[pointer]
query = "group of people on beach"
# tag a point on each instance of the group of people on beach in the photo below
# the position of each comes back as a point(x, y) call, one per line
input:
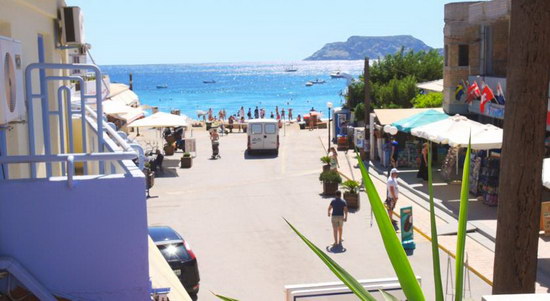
point(257, 113)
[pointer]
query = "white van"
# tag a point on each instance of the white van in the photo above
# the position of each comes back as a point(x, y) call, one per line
point(263, 135)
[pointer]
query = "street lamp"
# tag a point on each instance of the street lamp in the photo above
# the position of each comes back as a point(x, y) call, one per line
point(329, 106)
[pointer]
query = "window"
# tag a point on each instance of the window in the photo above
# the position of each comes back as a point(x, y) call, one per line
point(463, 55)
point(256, 129)
point(270, 128)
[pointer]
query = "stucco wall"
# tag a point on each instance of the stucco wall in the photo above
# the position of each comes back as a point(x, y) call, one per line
point(24, 20)
point(86, 243)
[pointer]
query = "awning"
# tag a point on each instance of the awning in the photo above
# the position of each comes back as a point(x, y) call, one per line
point(457, 130)
point(161, 119)
point(419, 119)
point(435, 85)
point(123, 94)
point(132, 114)
point(389, 116)
point(162, 276)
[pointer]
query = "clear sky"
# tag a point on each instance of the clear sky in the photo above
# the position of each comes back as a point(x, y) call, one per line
point(202, 31)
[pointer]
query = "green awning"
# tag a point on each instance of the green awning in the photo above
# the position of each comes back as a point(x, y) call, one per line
point(416, 120)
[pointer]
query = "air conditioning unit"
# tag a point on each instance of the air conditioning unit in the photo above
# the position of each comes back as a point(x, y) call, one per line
point(12, 101)
point(72, 26)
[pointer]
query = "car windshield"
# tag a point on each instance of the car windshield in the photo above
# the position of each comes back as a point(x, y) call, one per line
point(270, 129)
point(162, 234)
point(256, 128)
point(174, 252)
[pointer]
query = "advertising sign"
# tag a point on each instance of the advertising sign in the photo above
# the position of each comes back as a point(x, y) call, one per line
point(407, 231)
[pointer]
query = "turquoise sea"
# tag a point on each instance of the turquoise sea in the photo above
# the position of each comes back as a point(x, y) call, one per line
point(264, 84)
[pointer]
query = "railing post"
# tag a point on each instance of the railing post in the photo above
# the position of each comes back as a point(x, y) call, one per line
point(70, 171)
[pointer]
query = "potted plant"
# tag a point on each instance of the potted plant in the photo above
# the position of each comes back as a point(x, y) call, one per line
point(330, 179)
point(351, 194)
point(186, 161)
point(326, 161)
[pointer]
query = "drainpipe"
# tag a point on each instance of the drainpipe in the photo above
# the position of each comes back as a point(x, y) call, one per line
point(18, 271)
point(483, 51)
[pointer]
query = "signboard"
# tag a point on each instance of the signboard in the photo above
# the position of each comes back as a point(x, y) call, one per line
point(407, 231)
point(545, 217)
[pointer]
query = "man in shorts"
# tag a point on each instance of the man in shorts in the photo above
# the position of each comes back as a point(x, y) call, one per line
point(339, 210)
point(393, 194)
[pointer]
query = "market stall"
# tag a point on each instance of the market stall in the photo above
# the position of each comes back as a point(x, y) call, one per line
point(485, 141)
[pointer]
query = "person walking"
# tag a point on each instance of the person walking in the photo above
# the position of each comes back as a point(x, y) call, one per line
point(249, 114)
point(339, 210)
point(290, 115)
point(393, 194)
point(333, 159)
point(256, 113)
point(423, 169)
point(283, 113)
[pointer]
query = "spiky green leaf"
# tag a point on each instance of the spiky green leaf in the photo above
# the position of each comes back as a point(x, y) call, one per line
point(395, 251)
point(387, 296)
point(462, 220)
point(223, 297)
point(435, 244)
point(342, 274)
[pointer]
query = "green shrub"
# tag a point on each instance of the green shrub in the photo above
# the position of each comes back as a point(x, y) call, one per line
point(325, 159)
point(186, 155)
point(330, 176)
point(351, 186)
point(430, 100)
point(359, 112)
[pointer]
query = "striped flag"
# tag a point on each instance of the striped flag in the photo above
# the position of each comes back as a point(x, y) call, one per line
point(459, 92)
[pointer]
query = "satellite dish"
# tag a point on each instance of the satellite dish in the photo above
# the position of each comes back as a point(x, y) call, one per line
point(393, 130)
point(387, 128)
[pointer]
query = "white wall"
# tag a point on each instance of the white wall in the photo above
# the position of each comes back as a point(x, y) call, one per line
point(84, 243)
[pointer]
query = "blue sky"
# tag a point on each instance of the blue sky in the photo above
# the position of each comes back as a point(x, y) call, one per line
point(201, 31)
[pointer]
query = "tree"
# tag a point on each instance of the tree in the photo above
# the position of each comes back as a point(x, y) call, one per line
point(393, 79)
point(515, 266)
point(430, 100)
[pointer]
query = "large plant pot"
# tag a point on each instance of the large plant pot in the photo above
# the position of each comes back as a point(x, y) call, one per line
point(186, 162)
point(326, 167)
point(168, 149)
point(352, 199)
point(330, 188)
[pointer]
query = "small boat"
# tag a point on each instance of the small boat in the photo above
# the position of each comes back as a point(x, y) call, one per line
point(317, 82)
point(208, 81)
point(337, 74)
point(291, 69)
point(309, 84)
point(164, 86)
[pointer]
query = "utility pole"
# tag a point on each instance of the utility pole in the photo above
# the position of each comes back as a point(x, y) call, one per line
point(366, 79)
point(520, 188)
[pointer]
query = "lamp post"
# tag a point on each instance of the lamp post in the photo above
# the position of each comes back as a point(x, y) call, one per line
point(329, 106)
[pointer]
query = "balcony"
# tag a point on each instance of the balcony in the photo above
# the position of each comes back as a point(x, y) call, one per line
point(72, 202)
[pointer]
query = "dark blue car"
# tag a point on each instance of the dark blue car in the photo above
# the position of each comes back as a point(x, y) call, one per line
point(179, 256)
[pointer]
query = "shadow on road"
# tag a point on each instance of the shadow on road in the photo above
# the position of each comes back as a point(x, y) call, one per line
point(259, 156)
point(336, 249)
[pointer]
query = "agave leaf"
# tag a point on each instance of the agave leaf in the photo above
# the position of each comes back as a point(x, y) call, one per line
point(462, 219)
point(435, 244)
point(342, 274)
point(387, 296)
point(395, 251)
point(223, 297)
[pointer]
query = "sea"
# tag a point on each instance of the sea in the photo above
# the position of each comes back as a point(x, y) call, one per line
point(262, 84)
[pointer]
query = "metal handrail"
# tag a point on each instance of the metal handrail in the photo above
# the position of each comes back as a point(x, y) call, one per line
point(77, 157)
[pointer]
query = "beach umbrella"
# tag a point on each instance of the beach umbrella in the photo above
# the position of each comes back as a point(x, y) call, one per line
point(161, 119)
point(420, 119)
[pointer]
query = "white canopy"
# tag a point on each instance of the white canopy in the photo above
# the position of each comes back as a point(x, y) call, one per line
point(115, 107)
point(456, 130)
point(160, 119)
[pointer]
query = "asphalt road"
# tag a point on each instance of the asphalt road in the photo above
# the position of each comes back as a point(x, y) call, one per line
point(231, 212)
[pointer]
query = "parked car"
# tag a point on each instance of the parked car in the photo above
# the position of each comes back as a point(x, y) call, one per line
point(263, 135)
point(179, 256)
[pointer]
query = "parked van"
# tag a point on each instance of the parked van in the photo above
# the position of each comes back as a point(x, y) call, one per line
point(263, 135)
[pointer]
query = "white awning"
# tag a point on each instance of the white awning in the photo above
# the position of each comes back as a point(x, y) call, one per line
point(161, 119)
point(435, 85)
point(123, 94)
point(546, 173)
point(457, 130)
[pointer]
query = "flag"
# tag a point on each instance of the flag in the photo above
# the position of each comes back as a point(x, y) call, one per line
point(459, 92)
point(500, 95)
point(486, 96)
point(473, 92)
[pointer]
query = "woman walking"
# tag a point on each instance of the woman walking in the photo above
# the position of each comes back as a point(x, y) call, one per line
point(333, 159)
point(423, 169)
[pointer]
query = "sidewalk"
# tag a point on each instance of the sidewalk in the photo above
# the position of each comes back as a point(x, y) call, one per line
point(481, 235)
